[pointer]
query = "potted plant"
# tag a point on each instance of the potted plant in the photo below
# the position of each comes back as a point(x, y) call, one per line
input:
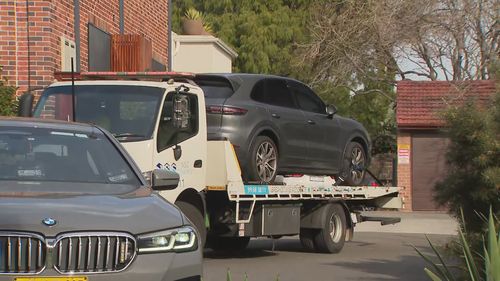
point(193, 23)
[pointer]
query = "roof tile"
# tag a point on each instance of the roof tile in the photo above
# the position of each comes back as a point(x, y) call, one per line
point(420, 103)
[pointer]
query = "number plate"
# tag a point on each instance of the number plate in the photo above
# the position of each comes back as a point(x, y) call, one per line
point(72, 278)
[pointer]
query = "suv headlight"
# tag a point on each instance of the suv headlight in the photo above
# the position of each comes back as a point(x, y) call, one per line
point(183, 239)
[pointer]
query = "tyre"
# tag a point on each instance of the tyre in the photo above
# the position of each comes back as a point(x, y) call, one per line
point(218, 243)
point(331, 238)
point(263, 160)
point(307, 239)
point(354, 164)
point(196, 217)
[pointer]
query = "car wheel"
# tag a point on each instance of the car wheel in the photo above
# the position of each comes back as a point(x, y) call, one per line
point(354, 164)
point(196, 217)
point(263, 160)
point(331, 238)
point(218, 243)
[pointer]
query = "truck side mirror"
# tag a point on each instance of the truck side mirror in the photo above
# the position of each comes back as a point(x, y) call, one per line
point(331, 110)
point(181, 112)
point(25, 106)
point(164, 179)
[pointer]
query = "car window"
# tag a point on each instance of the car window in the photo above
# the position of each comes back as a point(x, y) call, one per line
point(258, 91)
point(216, 88)
point(43, 155)
point(307, 99)
point(169, 133)
point(276, 93)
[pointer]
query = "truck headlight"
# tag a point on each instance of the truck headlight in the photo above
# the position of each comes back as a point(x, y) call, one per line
point(182, 239)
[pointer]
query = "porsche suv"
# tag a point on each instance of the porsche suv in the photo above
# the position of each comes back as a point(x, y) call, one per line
point(280, 126)
point(74, 207)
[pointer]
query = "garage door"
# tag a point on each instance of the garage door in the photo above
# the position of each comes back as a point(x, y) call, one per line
point(428, 167)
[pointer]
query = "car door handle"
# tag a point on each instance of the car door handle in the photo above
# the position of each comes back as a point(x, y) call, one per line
point(311, 122)
point(274, 115)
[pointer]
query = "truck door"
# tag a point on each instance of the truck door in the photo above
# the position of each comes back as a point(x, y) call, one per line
point(181, 140)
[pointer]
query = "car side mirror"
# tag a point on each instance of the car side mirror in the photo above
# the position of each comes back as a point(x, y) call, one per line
point(25, 105)
point(164, 179)
point(331, 110)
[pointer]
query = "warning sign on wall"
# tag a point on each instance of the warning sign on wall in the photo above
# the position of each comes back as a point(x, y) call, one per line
point(403, 154)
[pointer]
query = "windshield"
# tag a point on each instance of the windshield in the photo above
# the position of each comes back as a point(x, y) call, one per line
point(127, 111)
point(53, 155)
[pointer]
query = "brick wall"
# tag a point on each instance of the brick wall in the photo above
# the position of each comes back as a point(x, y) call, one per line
point(155, 30)
point(404, 172)
point(51, 19)
point(14, 46)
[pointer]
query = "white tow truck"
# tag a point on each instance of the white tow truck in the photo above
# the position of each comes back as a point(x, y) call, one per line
point(160, 119)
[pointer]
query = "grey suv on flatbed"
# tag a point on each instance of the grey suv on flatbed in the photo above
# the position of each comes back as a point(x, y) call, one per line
point(279, 125)
point(74, 207)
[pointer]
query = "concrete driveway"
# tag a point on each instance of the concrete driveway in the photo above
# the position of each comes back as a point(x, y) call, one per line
point(377, 253)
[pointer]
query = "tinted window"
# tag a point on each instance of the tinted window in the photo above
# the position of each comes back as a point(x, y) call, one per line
point(276, 93)
point(39, 155)
point(182, 126)
point(128, 112)
point(306, 99)
point(216, 88)
point(258, 91)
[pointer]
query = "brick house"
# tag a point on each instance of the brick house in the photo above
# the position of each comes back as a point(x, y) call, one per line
point(83, 29)
point(421, 141)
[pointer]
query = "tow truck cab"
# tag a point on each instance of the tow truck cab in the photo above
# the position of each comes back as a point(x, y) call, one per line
point(156, 119)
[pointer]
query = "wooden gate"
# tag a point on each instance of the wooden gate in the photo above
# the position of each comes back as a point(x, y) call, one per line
point(130, 53)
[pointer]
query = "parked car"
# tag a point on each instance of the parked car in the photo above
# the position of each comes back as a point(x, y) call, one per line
point(280, 126)
point(74, 206)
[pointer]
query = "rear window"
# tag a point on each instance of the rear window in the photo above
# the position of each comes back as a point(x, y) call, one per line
point(216, 89)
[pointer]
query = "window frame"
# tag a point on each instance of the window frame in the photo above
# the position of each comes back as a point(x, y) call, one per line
point(196, 118)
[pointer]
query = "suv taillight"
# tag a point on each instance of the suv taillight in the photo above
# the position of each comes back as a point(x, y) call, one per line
point(226, 110)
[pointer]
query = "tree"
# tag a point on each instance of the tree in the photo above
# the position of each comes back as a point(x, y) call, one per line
point(473, 179)
point(263, 32)
point(446, 39)
point(8, 104)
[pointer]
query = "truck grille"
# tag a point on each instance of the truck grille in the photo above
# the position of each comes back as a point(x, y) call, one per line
point(21, 253)
point(94, 252)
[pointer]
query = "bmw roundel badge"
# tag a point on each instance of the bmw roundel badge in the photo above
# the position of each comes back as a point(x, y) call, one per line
point(49, 221)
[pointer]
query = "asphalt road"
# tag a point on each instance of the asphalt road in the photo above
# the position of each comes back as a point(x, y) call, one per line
point(372, 256)
point(377, 253)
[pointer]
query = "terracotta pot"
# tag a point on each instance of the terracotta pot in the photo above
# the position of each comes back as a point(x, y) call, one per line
point(192, 27)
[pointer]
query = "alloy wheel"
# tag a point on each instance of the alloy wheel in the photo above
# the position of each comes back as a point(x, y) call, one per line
point(266, 161)
point(357, 164)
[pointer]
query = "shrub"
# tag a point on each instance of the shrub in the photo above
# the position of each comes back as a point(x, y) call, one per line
point(473, 180)
point(478, 267)
point(8, 104)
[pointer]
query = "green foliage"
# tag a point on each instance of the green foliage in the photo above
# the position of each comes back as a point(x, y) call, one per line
point(8, 104)
point(264, 32)
point(193, 14)
point(489, 261)
point(473, 179)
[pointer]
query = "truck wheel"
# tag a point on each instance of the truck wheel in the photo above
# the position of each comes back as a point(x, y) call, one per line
point(307, 239)
point(331, 238)
point(263, 160)
point(354, 164)
point(218, 243)
point(195, 216)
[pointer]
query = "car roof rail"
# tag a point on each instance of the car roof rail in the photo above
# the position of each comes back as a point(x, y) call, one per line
point(163, 76)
